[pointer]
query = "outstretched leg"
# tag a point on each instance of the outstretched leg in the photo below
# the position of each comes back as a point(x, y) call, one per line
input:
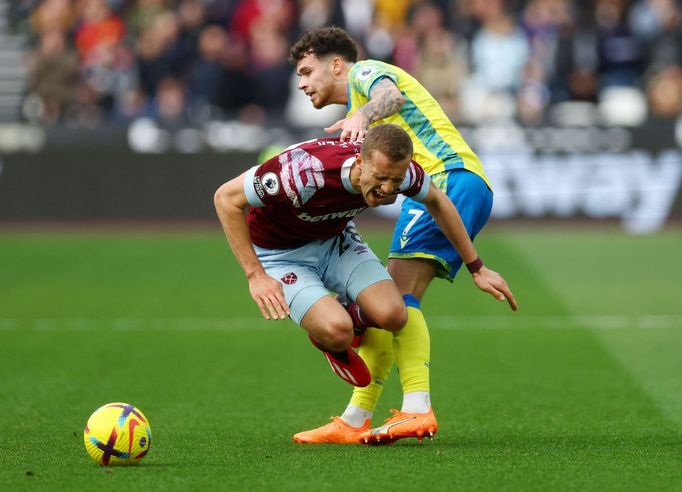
point(412, 350)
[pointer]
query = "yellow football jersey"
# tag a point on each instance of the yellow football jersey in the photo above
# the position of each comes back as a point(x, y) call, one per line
point(438, 145)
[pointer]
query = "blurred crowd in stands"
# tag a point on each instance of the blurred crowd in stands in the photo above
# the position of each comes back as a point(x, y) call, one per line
point(185, 62)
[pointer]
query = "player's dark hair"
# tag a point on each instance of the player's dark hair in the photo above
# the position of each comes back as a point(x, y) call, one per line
point(390, 140)
point(322, 42)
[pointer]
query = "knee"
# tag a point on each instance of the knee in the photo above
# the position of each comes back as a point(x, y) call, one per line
point(392, 317)
point(337, 335)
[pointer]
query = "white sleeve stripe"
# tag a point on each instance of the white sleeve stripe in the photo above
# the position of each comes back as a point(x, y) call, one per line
point(249, 189)
point(424, 189)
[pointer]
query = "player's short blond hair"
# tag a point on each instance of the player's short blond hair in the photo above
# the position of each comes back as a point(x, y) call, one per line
point(389, 139)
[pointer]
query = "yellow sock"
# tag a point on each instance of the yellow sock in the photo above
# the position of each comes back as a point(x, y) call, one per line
point(412, 348)
point(377, 352)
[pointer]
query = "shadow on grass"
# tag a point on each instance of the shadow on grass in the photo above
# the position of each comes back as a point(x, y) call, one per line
point(620, 443)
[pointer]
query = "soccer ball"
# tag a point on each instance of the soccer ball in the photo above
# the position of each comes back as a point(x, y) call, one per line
point(117, 434)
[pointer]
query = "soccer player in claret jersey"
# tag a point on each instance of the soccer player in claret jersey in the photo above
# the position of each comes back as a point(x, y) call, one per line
point(297, 241)
point(375, 92)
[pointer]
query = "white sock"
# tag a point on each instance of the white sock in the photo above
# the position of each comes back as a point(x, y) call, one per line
point(416, 402)
point(356, 416)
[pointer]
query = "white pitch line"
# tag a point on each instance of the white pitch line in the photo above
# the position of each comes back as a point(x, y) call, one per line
point(557, 322)
point(136, 324)
point(437, 323)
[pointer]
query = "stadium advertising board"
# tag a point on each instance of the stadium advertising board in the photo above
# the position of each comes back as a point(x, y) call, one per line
point(630, 175)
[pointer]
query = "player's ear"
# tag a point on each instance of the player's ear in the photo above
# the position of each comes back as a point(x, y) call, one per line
point(337, 65)
point(358, 159)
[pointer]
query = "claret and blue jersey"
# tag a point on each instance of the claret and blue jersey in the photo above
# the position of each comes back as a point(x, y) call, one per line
point(305, 193)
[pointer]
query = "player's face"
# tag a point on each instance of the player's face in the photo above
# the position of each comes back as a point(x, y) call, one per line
point(316, 79)
point(380, 179)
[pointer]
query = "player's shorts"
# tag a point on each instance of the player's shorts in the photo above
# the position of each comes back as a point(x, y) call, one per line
point(416, 234)
point(309, 272)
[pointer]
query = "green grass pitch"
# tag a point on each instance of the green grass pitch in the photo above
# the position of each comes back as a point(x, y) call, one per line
point(581, 389)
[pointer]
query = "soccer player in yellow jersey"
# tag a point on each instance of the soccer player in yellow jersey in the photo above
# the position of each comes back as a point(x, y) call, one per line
point(376, 92)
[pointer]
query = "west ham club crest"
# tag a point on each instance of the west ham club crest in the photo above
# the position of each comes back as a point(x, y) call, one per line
point(290, 278)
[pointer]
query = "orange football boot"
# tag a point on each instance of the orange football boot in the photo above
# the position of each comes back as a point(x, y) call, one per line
point(400, 426)
point(335, 432)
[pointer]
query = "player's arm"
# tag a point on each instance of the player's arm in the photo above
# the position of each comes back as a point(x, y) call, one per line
point(231, 203)
point(448, 219)
point(385, 99)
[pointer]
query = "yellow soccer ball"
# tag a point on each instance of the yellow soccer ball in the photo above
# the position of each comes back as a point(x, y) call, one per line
point(117, 434)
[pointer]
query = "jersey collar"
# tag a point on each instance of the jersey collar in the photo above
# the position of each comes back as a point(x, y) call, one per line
point(345, 175)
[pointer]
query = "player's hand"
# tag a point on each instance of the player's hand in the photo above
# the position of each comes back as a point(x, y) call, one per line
point(269, 296)
point(492, 282)
point(354, 127)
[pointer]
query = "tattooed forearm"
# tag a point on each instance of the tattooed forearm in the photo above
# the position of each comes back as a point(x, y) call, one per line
point(385, 100)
